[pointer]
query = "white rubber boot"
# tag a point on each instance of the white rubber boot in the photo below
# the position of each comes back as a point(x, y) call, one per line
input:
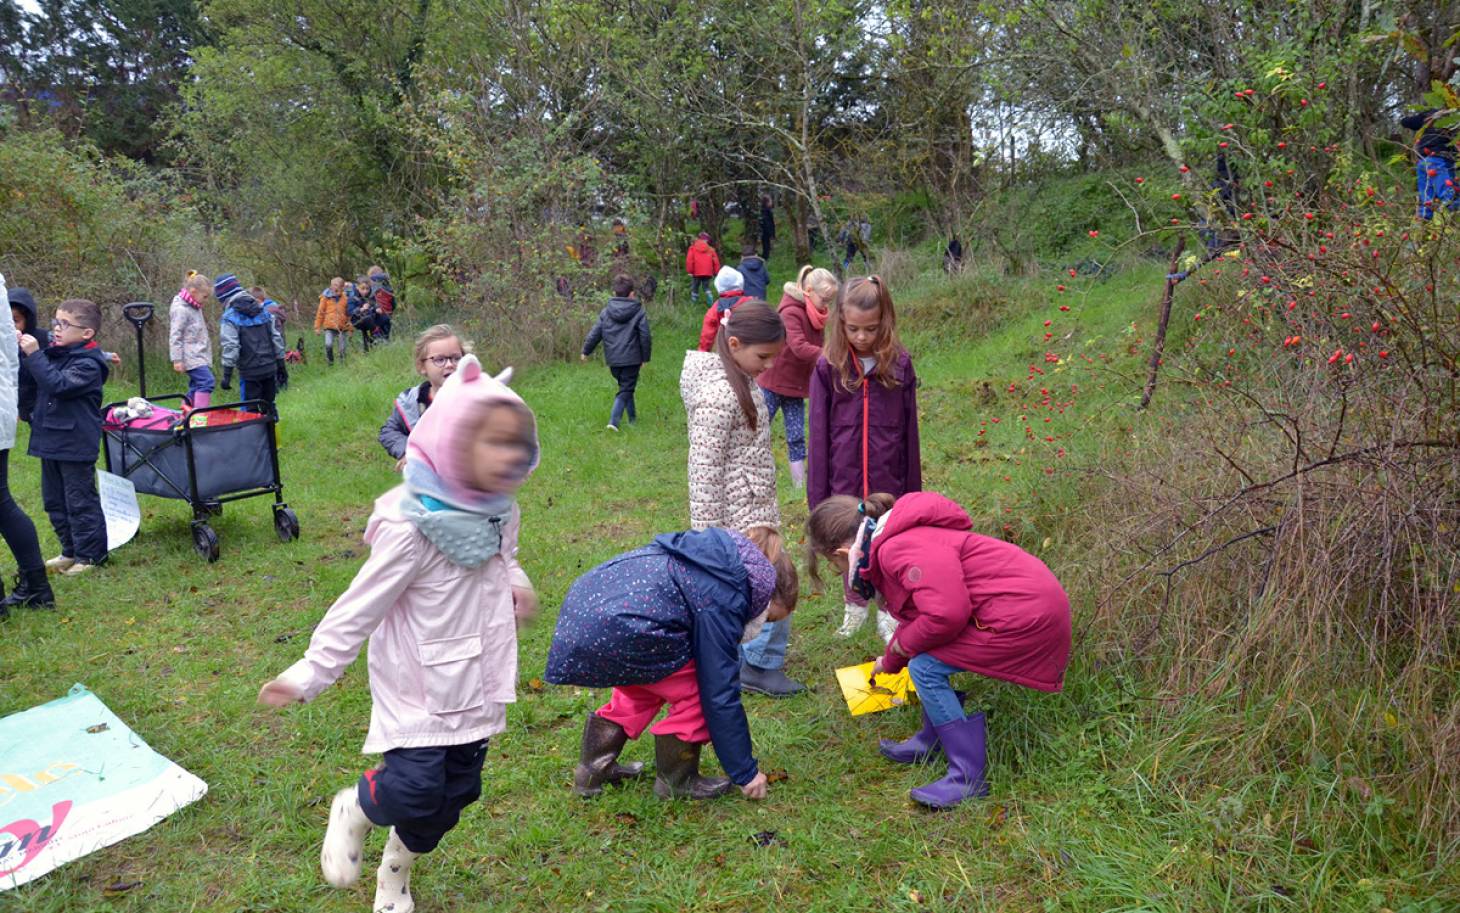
point(886, 626)
point(798, 473)
point(852, 617)
point(344, 839)
point(393, 878)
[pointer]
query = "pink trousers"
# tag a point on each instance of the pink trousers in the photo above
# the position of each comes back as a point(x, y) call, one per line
point(634, 707)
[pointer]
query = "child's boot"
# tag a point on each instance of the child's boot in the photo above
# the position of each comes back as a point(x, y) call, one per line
point(202, 400)
point(393, 878)
point(798, 473)
point(852, 617)
point(965, 743)
point(921, 747)
point(344, 839)
point(677, 776)
point(598, 760)
point(886, 625)
point(33, 591)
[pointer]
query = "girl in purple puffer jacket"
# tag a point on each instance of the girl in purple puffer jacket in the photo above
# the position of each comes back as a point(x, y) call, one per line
point(864, 414)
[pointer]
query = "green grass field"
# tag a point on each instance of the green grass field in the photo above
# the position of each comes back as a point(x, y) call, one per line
point(1103, 798)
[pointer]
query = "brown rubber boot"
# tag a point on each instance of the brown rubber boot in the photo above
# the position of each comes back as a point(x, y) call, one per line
point(678, 771)
point(598, 761)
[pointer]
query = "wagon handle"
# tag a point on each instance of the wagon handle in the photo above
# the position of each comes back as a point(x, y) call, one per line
point(139, 314)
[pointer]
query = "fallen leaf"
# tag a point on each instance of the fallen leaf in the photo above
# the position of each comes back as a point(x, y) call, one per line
point(915, 896)
point(535, 684)
point(119, 887)
point(767, 838)
point(997, 816)
point(776, 776)
point(99, 727)
point(628, 818)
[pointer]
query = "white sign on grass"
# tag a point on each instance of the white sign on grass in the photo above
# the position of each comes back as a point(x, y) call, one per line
point(73, 779)
point(119, 505)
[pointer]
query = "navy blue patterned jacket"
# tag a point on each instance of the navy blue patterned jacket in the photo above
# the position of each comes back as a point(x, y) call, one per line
point(639, 617)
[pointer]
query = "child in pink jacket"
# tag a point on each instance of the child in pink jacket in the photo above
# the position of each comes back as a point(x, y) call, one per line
point(962, 602)
point(439, 599)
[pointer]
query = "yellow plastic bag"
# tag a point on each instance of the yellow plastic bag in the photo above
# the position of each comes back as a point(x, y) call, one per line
point(863, 696)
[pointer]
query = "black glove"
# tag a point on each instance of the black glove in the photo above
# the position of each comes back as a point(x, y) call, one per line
point(281, 374)
point(227, 378)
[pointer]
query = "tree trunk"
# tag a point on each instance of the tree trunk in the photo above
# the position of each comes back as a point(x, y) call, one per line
point(1160, 342)
point(800, 236)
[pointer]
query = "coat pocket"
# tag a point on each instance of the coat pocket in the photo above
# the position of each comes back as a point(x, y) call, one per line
point(452, 673)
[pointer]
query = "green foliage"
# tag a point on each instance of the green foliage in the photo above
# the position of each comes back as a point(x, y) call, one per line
point(75, 224)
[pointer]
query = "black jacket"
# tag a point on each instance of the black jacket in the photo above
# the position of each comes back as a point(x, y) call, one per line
point(66, 424)
point(26, 390)
point(623, 328)
point(1430, 140)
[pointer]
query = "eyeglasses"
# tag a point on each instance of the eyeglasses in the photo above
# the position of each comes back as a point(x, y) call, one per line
point(442, 361)
point(59, 324)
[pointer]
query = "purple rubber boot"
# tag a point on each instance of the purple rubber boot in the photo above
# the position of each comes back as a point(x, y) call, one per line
point(965, 743)
point(916, 750)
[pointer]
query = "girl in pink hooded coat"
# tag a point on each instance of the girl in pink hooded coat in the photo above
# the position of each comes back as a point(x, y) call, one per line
point(439, 599)
point(962, 602)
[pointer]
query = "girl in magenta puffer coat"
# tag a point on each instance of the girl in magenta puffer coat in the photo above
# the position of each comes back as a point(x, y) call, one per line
point(438, 599)
point(962, 602)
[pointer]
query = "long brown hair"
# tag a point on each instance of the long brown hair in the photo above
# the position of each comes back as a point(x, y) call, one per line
point(754, 323)
point(833, 525)
point(866, 293)
point(788, 583)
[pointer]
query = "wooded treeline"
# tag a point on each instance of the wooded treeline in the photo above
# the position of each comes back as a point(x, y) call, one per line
point(468, 142)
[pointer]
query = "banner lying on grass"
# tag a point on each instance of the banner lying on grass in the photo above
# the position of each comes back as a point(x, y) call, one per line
point(73, 779)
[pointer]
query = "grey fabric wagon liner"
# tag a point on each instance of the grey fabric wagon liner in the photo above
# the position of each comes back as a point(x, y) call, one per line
point(228, 458)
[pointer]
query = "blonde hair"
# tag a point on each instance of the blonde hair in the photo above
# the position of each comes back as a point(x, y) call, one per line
point(818, 280)
point(196, 280)
point(435, 334)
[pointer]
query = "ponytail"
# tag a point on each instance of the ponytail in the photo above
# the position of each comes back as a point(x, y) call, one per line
point(754, 324)
point(833, 524)
point(788, 583)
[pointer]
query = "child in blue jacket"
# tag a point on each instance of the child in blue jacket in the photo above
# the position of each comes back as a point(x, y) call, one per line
point(66, 431)
point(663, 624)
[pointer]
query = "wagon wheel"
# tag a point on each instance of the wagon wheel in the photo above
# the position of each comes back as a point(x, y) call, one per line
point(286, 524)
point(205, 542)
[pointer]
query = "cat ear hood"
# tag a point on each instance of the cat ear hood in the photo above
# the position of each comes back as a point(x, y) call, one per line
point(440, 437)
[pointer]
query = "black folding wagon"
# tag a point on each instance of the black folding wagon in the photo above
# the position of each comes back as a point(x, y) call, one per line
point(213, 455)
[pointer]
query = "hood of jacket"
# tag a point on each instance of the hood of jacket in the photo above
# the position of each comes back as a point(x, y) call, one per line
point(714, 553)
point(439, 440)
point(244, 310)
point(701, 245)
point(622, 310)
point(920, 508)
point(22, 298)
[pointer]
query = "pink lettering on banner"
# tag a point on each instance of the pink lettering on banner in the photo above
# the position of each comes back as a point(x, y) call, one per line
point(29, 838)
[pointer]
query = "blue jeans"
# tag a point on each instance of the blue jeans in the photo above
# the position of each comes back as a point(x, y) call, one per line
point(1437, 188)
point(768, 649)
point(795, 410)
point(930, 677)
point(628, 378)
point(200, 380)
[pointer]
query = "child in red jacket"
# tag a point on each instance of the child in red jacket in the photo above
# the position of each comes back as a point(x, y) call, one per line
point(962, 602)
point(702, 263)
